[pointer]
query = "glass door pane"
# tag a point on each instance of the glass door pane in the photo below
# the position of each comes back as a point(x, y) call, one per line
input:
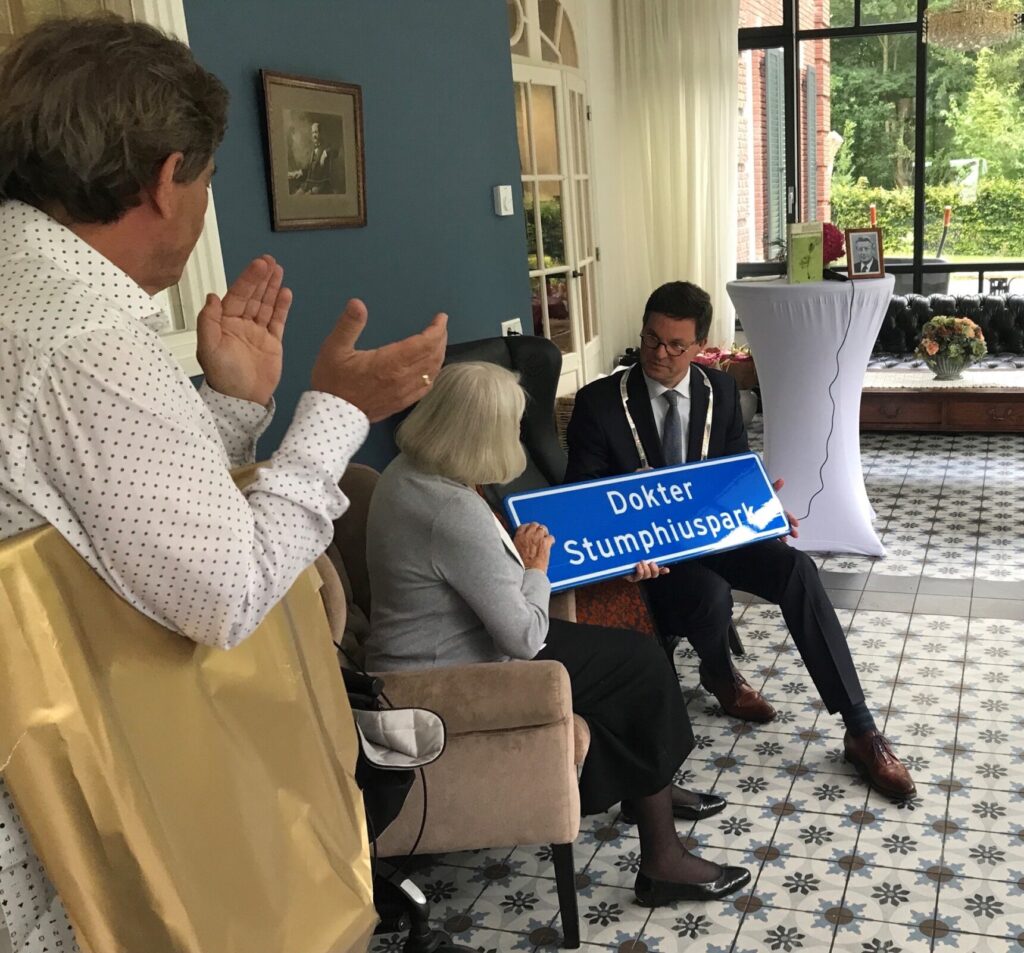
point(552, 229)
point(868, 94)
point(888, 11)
point(816, 14)
point(974, 166)
point(522, 129)
point(761, 171)
point(755, 13)
point(545, 130)
point(584, 259)
point(547, 215)
point(818, 144)
point(170, 300)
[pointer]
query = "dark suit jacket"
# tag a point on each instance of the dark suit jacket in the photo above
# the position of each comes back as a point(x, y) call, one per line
point(600, 441)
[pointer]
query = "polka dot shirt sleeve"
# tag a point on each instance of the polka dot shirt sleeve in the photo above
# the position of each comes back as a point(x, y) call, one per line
point(240, 423)
point(104, 437)
point(136, 461)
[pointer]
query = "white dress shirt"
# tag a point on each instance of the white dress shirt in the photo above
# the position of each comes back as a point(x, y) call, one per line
point(660, 406)
point(104, 437)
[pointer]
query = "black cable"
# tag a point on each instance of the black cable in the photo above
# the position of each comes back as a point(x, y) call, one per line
point(423, 781)
point(400, 872)
point(831, 397)
point(373, 845)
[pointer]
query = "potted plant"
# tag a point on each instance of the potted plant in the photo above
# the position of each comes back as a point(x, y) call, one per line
point(948, 345)
point(738, 363)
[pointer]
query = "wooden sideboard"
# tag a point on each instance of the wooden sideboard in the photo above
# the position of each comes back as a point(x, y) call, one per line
point(984, 410)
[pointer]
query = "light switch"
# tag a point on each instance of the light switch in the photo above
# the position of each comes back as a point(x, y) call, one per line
point(503, 200)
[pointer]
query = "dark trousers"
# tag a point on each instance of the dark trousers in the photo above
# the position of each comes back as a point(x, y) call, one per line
point(695, 601)
point(625, 689)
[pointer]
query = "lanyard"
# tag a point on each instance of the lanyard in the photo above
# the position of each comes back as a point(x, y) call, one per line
point(705, 444)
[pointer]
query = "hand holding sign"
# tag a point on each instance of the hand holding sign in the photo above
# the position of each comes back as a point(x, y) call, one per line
point(793, 521)
point(533, 542)
point(647, 570)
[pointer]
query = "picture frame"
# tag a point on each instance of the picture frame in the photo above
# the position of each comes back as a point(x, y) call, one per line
point(864, 255)
point(315, 158)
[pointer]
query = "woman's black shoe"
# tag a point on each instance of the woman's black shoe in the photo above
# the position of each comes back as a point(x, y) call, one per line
point(658, 893)
point(709, 806)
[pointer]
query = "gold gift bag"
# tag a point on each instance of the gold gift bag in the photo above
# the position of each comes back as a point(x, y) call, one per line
point(183, 799)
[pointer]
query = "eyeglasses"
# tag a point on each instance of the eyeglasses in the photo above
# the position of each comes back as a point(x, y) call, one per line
point(675, 349)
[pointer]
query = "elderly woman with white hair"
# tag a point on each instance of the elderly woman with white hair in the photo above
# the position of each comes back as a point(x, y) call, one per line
point(451, 587)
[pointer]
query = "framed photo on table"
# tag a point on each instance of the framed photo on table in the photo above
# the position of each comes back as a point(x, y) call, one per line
point(315, 144)
point(864, 253)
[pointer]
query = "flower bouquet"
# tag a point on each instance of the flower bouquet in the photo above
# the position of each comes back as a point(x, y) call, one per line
point(948, 345)
point(833, 244)
point(738, 363)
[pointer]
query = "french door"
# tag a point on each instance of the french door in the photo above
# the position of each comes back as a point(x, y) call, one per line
point(562, 256)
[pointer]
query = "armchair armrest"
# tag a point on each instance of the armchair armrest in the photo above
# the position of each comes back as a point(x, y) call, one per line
point(563, 606)
point(486, 696)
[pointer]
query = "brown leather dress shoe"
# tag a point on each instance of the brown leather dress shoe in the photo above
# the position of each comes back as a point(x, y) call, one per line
point(738, 697)
point(872, 755)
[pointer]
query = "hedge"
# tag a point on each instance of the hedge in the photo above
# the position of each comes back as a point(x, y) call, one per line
point(991, 226)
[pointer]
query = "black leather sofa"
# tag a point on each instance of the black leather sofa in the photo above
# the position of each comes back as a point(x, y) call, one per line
point(1000, 317)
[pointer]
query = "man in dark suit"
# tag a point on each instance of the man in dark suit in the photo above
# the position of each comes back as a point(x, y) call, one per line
point(668, 400)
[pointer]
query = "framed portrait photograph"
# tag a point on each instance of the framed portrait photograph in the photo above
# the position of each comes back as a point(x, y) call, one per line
point(315, 144)
point(864, 257)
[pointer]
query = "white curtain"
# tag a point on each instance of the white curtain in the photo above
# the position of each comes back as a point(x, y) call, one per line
point(677, 72)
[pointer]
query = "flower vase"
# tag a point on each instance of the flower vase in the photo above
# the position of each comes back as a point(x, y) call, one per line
point(948, 368)
point(743, 372)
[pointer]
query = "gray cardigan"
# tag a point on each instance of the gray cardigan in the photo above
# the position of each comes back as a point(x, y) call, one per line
point(445, 587)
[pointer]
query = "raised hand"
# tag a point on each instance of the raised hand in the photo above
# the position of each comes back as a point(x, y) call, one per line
point(387, 379)
point(239, 336)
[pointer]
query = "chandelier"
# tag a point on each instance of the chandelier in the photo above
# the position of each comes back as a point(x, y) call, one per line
point(972, 25)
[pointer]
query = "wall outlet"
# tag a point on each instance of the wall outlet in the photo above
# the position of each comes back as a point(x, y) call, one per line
point(511, 327)
point(503, 200)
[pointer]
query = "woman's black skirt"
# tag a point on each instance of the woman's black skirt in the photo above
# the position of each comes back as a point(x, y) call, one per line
point(626, 689)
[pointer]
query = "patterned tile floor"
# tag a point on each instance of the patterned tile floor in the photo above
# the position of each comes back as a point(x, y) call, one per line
point(937, 630)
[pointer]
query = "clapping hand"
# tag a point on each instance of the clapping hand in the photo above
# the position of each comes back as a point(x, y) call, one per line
point(387, 379)
point(240, 336)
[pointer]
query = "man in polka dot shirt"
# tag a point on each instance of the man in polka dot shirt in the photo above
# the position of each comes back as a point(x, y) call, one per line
point(107, 135)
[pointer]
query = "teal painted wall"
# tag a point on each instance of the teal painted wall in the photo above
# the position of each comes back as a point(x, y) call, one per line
point(439, 132)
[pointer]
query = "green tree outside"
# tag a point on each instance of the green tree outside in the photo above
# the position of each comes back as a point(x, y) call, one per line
point(975, 110)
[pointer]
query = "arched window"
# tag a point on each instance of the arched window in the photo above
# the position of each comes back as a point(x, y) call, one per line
point(557, 38)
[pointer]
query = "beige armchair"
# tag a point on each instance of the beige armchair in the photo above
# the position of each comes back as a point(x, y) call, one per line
point(505, 722)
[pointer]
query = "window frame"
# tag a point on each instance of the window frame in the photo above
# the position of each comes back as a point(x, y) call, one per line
point(204, 271)
point(788, 36)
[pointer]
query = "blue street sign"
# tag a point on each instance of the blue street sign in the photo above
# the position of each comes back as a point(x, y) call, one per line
point(603, 528)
